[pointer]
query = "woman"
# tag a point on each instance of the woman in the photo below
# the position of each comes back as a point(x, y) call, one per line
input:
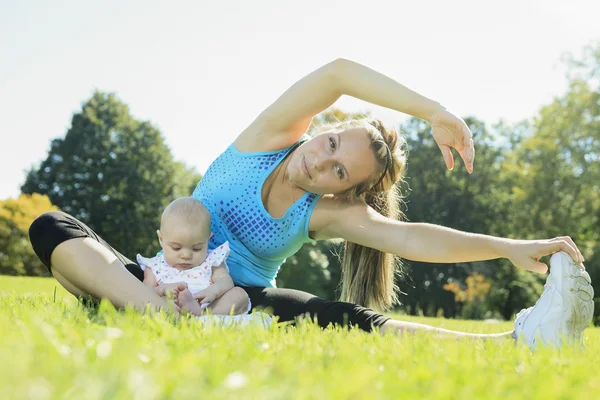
point(273, 189)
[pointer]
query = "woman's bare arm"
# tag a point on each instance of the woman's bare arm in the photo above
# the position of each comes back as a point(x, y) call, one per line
point(359, 223)
point(288, 118)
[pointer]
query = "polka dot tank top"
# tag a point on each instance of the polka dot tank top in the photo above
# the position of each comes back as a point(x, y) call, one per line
point(259, 243)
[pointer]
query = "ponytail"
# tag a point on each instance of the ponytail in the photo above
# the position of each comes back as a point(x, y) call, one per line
point(368, 274)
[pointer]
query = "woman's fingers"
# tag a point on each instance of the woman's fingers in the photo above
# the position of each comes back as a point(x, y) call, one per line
point(566, 244)
point(468, 156)
point(559, 244)
point(572, 243)
point(450, 131)
point(467, 135)
point(468, 151)
point(447, 154)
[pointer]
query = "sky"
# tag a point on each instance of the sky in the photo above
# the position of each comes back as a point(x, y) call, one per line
point(201, 71)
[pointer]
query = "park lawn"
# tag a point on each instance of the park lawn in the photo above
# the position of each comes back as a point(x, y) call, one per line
point(53, 348)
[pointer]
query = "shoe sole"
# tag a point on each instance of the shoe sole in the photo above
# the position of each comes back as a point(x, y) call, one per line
point(578, 299)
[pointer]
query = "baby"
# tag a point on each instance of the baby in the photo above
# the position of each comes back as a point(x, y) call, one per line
point(184, 234)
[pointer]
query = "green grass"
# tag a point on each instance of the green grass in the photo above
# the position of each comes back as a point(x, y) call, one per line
point(53, 348)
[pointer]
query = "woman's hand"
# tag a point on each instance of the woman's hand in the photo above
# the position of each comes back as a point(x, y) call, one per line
point(448, 131)
point(526, 254)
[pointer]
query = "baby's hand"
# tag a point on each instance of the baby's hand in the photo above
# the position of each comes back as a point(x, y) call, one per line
point(206, 296)
point(170, 290)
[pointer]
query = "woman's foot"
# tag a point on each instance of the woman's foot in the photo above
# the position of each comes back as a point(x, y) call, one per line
point(187, 303)
point(563, 311)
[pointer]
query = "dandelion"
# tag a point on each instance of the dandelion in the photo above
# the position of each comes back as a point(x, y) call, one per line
point(113, 333)
point(103, 349)
point(236, 380)
point(64, 350)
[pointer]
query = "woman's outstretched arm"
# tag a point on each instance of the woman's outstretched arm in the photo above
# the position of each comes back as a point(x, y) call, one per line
point(287, 119)
point(424, 242)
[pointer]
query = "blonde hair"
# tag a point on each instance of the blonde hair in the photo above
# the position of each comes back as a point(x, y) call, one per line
point(368, 274)
point(190, 209)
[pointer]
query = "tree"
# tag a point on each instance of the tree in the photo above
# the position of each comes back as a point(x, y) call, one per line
point(472, 295)
point(16, 215)
point(554, 172)
point(314, 269)
point(112, 172)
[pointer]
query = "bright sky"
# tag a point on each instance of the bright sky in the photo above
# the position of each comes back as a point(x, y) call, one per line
point(201, 71)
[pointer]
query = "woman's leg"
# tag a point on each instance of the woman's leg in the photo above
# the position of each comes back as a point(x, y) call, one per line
point(402, 327)
point(85, 264)
point(288, 304)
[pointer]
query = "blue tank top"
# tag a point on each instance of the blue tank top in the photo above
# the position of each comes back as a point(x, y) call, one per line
point(231, 190)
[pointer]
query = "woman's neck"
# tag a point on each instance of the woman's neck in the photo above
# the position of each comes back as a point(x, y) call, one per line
point(279, 193)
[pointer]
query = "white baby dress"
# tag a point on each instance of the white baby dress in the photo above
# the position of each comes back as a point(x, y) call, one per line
point(197, 278)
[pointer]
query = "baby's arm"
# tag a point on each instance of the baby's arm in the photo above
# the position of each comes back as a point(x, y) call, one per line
point(223, 297)
point(163, 289)
point(222, 281)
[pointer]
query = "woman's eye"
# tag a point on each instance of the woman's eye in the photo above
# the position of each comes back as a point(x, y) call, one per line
point(332, 143)
point(340, 172)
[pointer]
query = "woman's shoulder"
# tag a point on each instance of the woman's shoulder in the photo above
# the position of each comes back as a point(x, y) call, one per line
point(329, 210)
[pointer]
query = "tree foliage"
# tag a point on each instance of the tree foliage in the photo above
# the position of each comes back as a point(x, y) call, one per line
point(16, 215)
point(114, 173)
point(554, 172)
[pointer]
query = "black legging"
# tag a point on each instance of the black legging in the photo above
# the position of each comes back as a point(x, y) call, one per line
point(52, 228)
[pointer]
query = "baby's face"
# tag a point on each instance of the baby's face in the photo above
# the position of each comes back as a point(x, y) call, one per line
point(184, 246)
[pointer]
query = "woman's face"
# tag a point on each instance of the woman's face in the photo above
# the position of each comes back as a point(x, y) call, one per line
point(331, 163)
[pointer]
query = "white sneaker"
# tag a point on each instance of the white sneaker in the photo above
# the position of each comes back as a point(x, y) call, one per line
point(563, 311)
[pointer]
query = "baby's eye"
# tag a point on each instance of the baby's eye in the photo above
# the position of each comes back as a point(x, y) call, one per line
point(339, 171)
point(176, 248)
point(332, 143)
point(197, 250)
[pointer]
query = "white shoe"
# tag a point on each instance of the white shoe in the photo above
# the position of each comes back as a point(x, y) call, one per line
point(563, 311)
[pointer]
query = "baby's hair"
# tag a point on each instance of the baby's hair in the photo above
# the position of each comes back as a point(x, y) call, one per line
point(190, 209)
